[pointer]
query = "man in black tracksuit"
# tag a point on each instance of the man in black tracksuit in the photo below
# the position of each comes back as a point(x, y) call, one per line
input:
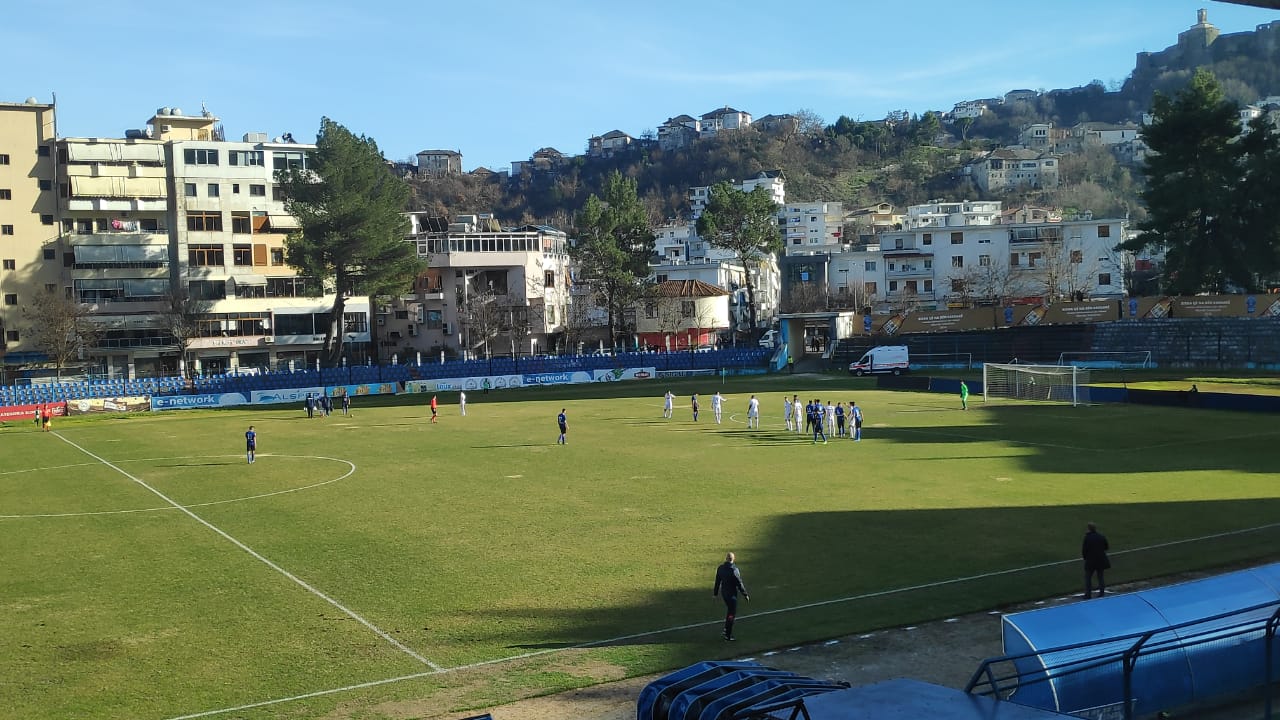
point(728, 585)
point(1094, 551)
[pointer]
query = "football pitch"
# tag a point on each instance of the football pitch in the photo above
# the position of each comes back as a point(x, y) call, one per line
point(380, 566)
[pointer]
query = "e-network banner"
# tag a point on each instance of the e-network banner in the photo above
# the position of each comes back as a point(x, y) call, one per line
point(558, 378)
point(204, 400)
point(288, 395)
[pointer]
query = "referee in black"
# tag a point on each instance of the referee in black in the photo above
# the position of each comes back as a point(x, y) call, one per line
point(728, 585)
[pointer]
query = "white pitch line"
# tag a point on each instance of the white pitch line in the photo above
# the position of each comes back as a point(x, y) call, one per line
point(351, 469)
point(301, 583)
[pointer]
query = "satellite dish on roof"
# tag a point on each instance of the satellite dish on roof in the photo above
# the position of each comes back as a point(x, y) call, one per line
point(32, 101)
point(176, 111)
point(162, 111)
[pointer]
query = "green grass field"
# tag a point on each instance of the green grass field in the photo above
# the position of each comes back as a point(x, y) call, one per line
point(383, 567)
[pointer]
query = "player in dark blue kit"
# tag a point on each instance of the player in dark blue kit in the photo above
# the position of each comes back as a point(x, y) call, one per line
point(564, 427)
point(250, 444)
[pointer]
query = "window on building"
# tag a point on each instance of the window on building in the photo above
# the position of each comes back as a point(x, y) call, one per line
point(928, 286)
point(200, 156)
point(258, 190)
point(928, 263)
point(204, 222)
point(205, 255)
point(6, 229)
point(912, 286)
point(245, 157)
point(10, 299)
point(10, 335)
point(1104, 231)
point(277, 193)
point(957, 261)
point(50, 254)
point(149, 225)
point(42, 151)
point(277, 256)
point(45, 185)
point(10, 264)
point(686, 308)
point(869, 265)
point(6, 194)
point(46, 219)
point(1033, 259)
point(435, 319)
point(213, 190)
point(984, 261)
point(235, 188)
point(207, 289)
point(288, 160)
point(1013, 260)
point(240, 224)
point(242, 254)
point(84, 227)
point(927, 239)
point(957, 285)
point(957, 238)
point(4, 159)
point(1077, 257)
point(189, 189)
point(869, 288)
point(661, 278)
point(356, 322)
point(287, 287)
point(549, 278)
point(651, 310)
point(1104, 279)
point(893, 286)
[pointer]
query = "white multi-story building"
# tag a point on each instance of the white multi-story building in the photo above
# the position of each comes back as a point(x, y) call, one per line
point(811, 225)
point(771, 180)
point(951, 214)
point(927, 265)
point(488, 289)
point(968, 109)
point(725, 118)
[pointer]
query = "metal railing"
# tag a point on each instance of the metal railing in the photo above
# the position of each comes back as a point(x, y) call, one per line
point(1124, 652)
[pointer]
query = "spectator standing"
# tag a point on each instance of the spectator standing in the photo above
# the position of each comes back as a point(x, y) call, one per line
point(728, 585)
point(1094, 551)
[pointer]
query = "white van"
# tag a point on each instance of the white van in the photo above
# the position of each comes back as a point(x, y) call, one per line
point(769, 339)
point(882, 359)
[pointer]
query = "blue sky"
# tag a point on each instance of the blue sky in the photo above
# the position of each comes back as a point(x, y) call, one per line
point(496, 80)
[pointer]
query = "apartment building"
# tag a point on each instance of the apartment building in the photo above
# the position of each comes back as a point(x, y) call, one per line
point(682, 314)
point(30, 259)
point(772, 181)
point(440, 162)
point(1007, 168)
point(488, 289)
point(980, 256)
point(811, 225)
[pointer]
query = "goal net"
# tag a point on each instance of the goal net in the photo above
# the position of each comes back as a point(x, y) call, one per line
point(1131, 359)
point(1056, 384)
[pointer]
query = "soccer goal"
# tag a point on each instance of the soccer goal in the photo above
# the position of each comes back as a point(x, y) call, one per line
point(1116, 360)
point(1056, 384)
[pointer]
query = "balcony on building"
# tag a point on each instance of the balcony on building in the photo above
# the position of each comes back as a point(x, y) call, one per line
point(1036, 234)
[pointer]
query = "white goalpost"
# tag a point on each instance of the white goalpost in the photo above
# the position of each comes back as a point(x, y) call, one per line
point(1054, 384)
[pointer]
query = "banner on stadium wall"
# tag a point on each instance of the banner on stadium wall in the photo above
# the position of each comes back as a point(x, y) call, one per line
point(647, 373)
point(567, 377)
point(10, 413)
point(90, 406)
point(496, 382)
point(203, 400)
point(286, 395)
point(385, 388)
point(1226, 306)
point(1011, 315)
point(1086, 311)
point(685, 373)
point(948, 320)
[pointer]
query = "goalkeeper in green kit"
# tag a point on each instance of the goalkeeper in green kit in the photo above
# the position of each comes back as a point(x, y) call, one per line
point(964, 396)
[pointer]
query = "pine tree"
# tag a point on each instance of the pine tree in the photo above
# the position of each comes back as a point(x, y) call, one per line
point(1193, 174)
point(612, 248)
point(352, 229)
point(746, 224)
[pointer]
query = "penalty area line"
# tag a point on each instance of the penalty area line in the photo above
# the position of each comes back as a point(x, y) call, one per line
point(258, 556)
point(709, 623)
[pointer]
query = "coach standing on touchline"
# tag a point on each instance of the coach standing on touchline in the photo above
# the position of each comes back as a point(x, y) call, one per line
point(728, 585)
point(1094, 551)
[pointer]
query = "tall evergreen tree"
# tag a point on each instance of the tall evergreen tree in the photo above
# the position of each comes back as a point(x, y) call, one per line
point(746, 224)
point(612, 248)
point(1258, 211)
point(1193, 174)
point(352, 231)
